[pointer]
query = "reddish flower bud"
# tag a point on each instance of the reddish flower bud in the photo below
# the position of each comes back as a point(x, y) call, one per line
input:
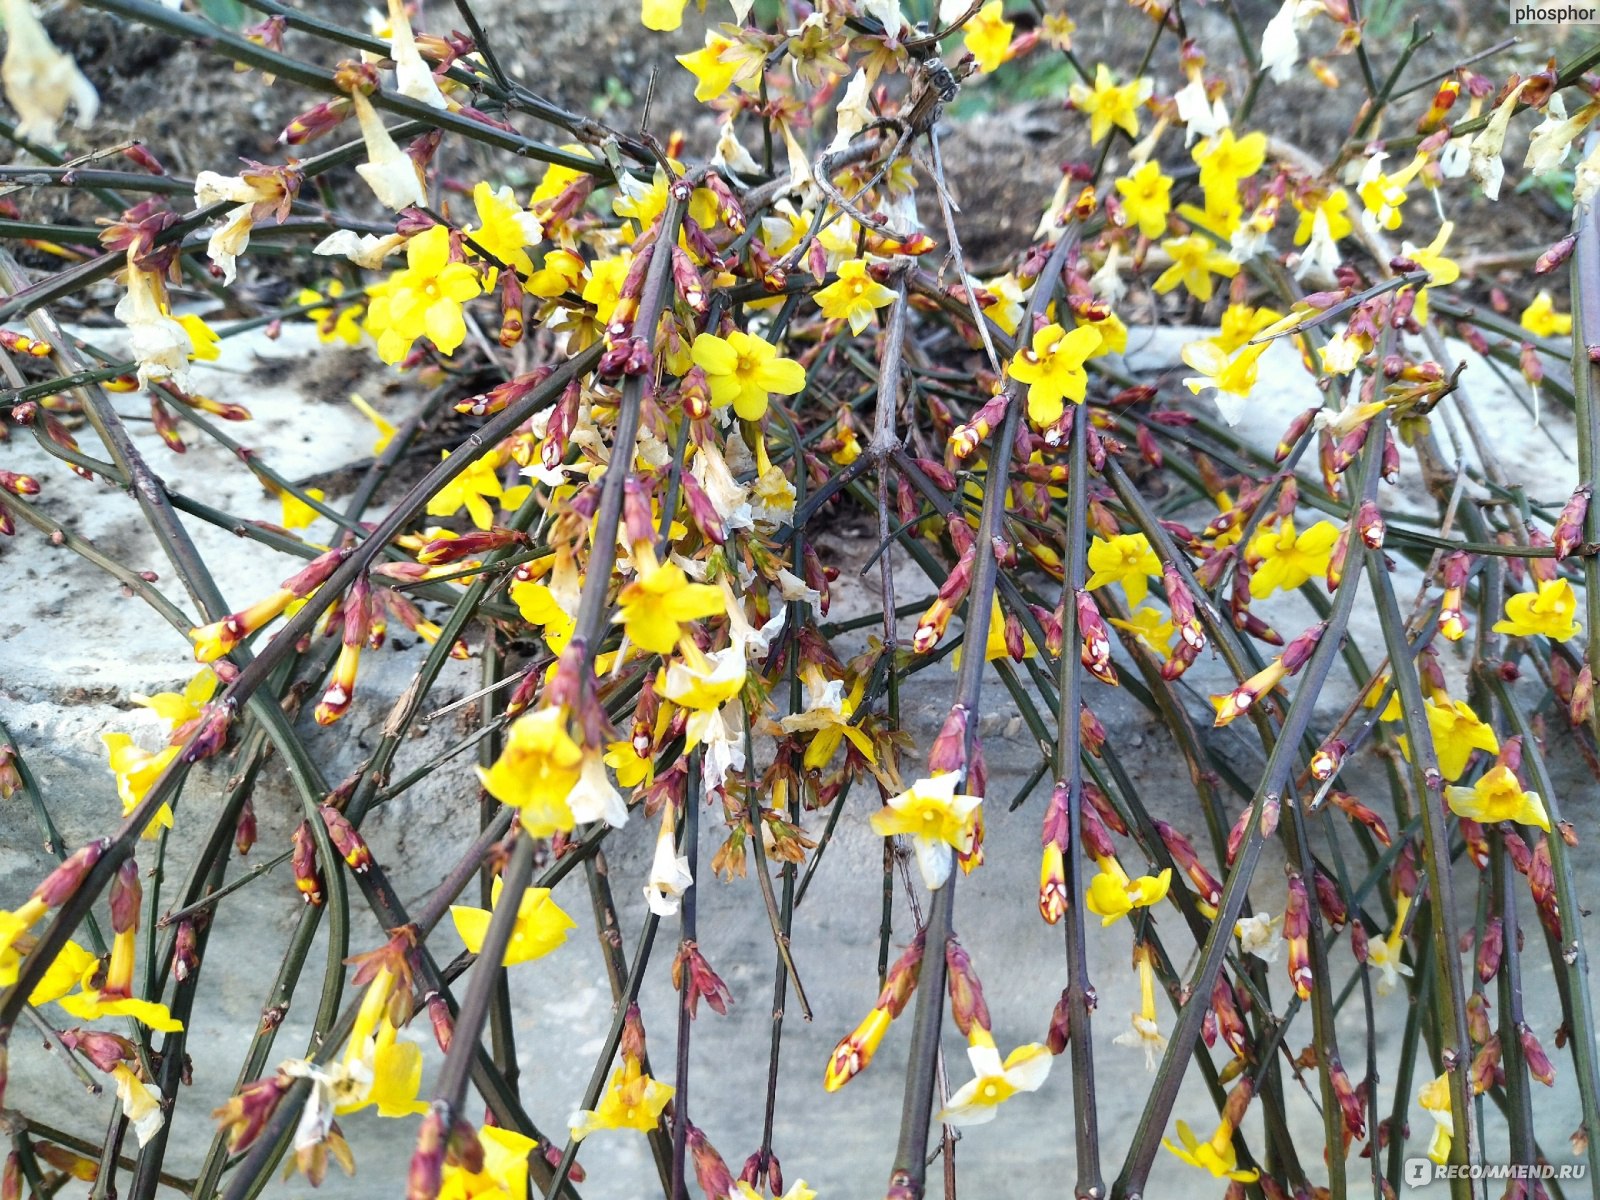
point(104, 1050)
point(185, 951)
point(303, 861)
point(1568, 532)
point(967, 1005)
point(702, 980)
point(1539, 1064)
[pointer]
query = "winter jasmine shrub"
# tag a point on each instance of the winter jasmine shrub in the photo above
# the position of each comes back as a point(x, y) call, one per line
point(658, 368)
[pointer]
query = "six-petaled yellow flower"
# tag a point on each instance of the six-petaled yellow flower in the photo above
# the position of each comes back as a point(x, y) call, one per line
point(989, 36)
point(653, 607)
point(1456, 733)
point(1549, 612)
point(1053, 370)
point(424, 299)
point(1113, 894)
point(136, 771)
point(1216, 1155)
point(541, 925)
point(854, 296)
point(1147, 199)
point(994, 1082)
point(1496, 797)
point(1542, 320)
point(1195, 259)
point(743, 369)
point(1126, 559)
point(632, 1100)
point(1285, 559)
point(1230, 377)
point(537, 770)
point(1110, 104)
point(939, 820)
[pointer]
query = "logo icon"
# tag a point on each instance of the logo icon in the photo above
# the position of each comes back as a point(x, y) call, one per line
point(1418, 1172)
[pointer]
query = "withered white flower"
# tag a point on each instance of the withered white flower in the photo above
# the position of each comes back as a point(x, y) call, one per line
point(40, 81)
point(141, 1103)
point(853, 114)
point(232, 237)
point(413, 77)
point(1280, 41)
point(389, 171)
point(364, 249)
point(1258, 935)
point(593, 798)
point(731, 155)
point(159, 344)
point(1552, 138)
point(669, 871)
point(1201, 116)
point(1485, 163)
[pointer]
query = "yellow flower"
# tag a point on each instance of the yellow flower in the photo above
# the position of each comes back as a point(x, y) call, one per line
point(715, 70)
point(561, 272)
point(505, 229)
point(1496, 797)
point(1542, 320)
point(1384, 195)
point(1216, 1156)
point(626, 764)
point(632, 1100)
point(1109, 104)
point(537, 770)
point(1441, 271)
point(989, 37)
point(797, 1191)
point(202, 338)
point(1146, 1033)
point(1224, 162)
point(386, 431)
point(539, 606)
point(541, 925)
point(1240, 323)
point(177, 709)
point(707, 681)
point(1195, 259)
point(1153, 631)
point(830, 716)
point(341, 324)
point(854, 296)
point(743, 369)
point(1333, 209)
point(1435, 1101)
point(1384, 953)
point(1230, 376)
point(1113, 895)
point(504, 1171)
point(136, 770)
point(653, 606)
point(662, 15)
point(424, 299)
point(994, 1082)
point(1285, 560)
point(1146, 198)
point(1549, 612)
point(1053, 370)
point(469, 489)
point(1126, 559)
point(90, 1005)
point(938, 819)
point(1456, 733)
point(297, 514)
